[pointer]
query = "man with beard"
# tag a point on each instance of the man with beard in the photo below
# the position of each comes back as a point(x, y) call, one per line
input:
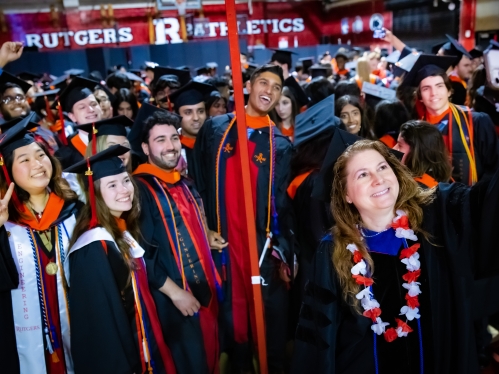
point(182, 276)
point(219, 181)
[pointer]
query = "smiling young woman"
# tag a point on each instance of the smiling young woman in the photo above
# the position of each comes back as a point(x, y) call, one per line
point(115, 293)
point(36, 226)
point(384, 295)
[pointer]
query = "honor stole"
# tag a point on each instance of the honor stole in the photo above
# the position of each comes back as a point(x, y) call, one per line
point(456, 126)
point(39, 303)
point(232, 222)
point(184, 224)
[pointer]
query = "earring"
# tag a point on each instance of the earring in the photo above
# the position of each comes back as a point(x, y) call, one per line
point(349, 201)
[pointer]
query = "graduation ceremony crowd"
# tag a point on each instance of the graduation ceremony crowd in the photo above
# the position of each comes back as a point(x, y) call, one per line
point(374, 177)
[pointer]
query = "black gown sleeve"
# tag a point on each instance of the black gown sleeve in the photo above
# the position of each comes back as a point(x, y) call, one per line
point(316, 334)
point(155, 259)
point(9, 280)
point(485, 142)
point(101, 336)
point(459, 93)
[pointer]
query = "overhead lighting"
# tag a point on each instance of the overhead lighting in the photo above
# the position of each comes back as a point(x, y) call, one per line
point(452, 6)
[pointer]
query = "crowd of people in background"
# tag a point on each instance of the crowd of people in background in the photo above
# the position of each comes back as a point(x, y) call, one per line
point(123, 246)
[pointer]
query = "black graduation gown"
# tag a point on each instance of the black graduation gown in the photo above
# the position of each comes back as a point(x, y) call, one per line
point(459, 93)
point(313, 222)
point(332, 339)
point(9, 280)
point(275, 295)
point(68, 155)
point(183, 335)
point(484, 141)
point(104, 335)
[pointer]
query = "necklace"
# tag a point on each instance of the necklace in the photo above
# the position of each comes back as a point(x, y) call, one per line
point(409, 257)
point(372, 236)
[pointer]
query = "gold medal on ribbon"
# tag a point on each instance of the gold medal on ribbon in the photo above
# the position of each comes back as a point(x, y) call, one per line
point(51, 268)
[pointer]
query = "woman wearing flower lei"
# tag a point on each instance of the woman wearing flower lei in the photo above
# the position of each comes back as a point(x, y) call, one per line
point(392, 286)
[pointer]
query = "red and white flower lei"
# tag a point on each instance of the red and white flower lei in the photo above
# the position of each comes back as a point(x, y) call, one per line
point(410, 258)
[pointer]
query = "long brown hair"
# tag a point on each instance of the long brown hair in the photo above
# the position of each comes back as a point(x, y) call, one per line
point(107, 220)
point(428, 152)
point(347, 217)
point(57, 184)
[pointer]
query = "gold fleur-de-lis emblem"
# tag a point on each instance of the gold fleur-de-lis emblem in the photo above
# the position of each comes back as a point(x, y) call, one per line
point(228, 148)
point(259, 158)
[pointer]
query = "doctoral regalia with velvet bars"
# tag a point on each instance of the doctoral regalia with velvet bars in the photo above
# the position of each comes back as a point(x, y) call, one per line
point(176, 247)
point(219, 181)
point(332, 338)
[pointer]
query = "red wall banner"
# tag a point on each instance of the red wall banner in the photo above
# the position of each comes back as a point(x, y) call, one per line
point(271, 24)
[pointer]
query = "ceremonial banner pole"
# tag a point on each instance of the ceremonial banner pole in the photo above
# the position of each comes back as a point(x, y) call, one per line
point(237, 80)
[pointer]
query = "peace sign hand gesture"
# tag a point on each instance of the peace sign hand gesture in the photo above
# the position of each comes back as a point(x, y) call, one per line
point(4, 205)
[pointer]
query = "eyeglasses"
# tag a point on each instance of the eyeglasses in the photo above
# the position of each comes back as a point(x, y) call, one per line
point(18, 99)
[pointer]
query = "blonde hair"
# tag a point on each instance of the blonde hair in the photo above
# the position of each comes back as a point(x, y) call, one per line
point(411, 198)
point(363, 69)
point(102, 145)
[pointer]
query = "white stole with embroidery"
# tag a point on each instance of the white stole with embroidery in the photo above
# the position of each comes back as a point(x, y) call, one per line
point(28, 320)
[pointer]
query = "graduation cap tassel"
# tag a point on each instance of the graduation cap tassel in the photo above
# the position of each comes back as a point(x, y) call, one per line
point(170, 108)
point(15, 199)
point(62, 132)
point(94, 140)
point(93, 219)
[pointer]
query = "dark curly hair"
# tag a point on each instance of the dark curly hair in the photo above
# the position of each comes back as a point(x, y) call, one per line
point(159, 118)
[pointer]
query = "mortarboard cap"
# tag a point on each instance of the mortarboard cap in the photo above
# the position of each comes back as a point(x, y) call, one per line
point(28, 76)
point(319, 71)
point(111, 126)
point(314, 121)
point(17, 133)
point(79, 89)
point(425, 66)
point(454, 48)
point(183, 76)
point(9, 78)
point(340, 142)
point(50, 94)
point(201, 70)
point(492, 46)
point(59, 82)
point(133, 77)
point(476, 53)
point(393, 57)
point(342, 52)
point(437, 47)
point(306, 62)
point(283, 56)
point(190, 94)
point(102, 164)
point(74, 72)
point(297, 91)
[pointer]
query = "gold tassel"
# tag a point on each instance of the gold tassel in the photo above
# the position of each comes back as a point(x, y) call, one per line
point(55, 358)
